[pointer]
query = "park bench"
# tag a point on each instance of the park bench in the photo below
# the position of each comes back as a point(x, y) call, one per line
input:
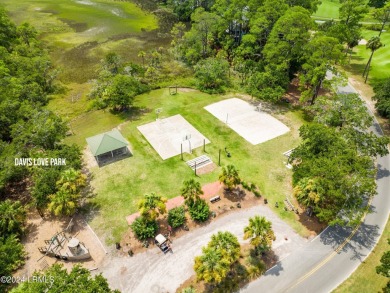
point(215, 199)
point(290, 206)
point(199, 162)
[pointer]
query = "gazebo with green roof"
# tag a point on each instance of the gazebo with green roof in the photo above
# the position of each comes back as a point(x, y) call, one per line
point(108, 144)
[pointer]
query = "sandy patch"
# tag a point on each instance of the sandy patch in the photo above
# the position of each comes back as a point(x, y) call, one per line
point(39, 230)
point(167, 136)
point(250, 122)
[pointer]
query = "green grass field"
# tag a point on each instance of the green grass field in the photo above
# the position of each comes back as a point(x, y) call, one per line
point(327, 10)
point(120, 185)
point(380, 67)
point(365, 279)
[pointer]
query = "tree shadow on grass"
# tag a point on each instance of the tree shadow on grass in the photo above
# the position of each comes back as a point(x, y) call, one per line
point(132, 114)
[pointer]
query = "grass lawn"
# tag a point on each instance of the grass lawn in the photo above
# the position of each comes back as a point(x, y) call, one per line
point(120, 185)
point(365, 279)
point(380, 66)
point(328, 9)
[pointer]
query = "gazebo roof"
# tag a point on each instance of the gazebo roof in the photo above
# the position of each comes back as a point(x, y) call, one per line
point(106, 142)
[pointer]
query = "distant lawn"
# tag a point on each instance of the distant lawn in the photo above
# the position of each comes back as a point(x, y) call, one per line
point(328, 9)
point(120, 185)
point(380, 66)
point(365, 279)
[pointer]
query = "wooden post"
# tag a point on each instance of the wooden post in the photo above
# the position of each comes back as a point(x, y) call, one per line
point(204, 145)
point(219, 158)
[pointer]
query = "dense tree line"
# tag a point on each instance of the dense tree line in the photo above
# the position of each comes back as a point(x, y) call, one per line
point(334, 172)
point(29, 130)
point(265, 43)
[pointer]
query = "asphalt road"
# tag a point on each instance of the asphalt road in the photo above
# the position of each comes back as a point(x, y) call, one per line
point(330, 258)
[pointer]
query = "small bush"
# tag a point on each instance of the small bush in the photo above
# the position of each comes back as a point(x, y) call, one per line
point(200, 210)
point(253, 187)
point(245, 185)
point(144, 229)
point(176, 217)
point(257, 193)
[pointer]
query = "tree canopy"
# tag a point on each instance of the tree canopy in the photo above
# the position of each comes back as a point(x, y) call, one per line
point(58, 279)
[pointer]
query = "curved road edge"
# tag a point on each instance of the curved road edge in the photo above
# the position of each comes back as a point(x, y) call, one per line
point(335, 254)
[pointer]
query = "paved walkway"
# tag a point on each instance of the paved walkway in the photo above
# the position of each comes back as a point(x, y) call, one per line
point(152, 271)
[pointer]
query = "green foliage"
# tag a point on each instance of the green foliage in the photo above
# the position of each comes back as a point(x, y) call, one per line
point(227, 244)
point(191, 191)
point(260, 233)
point(384, 268)
point(349, 114)
point(377, 3)
point(11, 256)
point(176, 217)
point(321, 55)
point(218, 257)
point(199, 210)
point(353, 11)
point(212, 75)
point(65, 200)
point(188, 290)
point(382, 98)
point(12, 218)
point(118, 83)
point(143, 228)
point(289, 35)
point(44, 185)
point(335, 194)
point(151, 206)
point(59, 279)
point(229, 177)
point(211, 266)
point(120, 93)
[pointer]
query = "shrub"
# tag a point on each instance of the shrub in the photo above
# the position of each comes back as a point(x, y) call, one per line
point(176, 217)
point(144, 229)
point(200, 210)
point(245, 185)
point(257, 193)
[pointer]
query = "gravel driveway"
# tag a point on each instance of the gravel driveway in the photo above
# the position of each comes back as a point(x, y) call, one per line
point(152, 271)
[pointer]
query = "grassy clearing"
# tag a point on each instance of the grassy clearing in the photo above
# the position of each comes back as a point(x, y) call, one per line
point(380, 67)
point(120, 185)
point(328, 9)
point(365, 279)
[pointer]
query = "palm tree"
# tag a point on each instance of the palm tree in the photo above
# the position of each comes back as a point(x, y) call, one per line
point(191, 191)
point(211, 266)
point(142, 54)
point(227, 244)
point(63, 202)
point(72, 180)
point(261, 233)
point(12, 217)
point(373, 44)
point(230, 177)
point(151, 206)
